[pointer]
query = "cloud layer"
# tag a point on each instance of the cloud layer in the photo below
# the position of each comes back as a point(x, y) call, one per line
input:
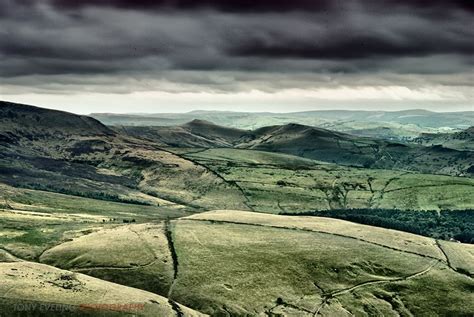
point(60, 46)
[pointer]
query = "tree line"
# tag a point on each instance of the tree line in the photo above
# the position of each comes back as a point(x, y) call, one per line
point(447, 225)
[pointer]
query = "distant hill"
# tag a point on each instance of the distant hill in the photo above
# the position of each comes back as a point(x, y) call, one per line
point(32, 122)
point(341, 148)
point(313, 143)
point(196, 133)
point(462, 140)
point(213, 131)
point(419, 117)
point(407, 122)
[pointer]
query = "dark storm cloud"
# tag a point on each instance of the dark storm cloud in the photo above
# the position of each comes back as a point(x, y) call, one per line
point(156, 38)
point(355, 45)
point(229, 5)
point(259, 5)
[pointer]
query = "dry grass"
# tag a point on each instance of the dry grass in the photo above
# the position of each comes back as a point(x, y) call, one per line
point(32, 283)
point(134, 255)
point(392, 238)
point(244, 263)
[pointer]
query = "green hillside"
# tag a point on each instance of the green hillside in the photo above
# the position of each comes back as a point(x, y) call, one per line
point(283, 183)
point(243, 263)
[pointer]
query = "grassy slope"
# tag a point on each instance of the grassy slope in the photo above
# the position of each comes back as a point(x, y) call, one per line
point(32, 289)
point(283, 258)
point(283, 183)
point(147, 264)
point(33, 220)
point(247, 263)
point(77, 155)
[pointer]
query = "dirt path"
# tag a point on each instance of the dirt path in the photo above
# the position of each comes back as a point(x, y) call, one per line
point(336, 293)
point(382, 281)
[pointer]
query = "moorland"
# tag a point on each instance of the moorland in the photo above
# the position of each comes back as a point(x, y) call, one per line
point(306, 214)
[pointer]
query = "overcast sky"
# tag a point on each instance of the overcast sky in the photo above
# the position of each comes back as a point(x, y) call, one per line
point(243, 55)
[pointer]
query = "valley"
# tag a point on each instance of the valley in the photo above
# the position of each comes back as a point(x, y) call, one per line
point(196, 218)
point(178, 158)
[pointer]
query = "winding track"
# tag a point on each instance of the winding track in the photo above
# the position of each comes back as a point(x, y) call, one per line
point(336, 293)
point(382, 281)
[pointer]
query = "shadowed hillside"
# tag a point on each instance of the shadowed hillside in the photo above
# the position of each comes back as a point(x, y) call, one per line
point(71, 154)
point(34, 123)
point(196, 133)
point(340, 148)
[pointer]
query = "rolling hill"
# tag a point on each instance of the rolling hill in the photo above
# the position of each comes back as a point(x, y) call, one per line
point(186, 220)
point(36, 123)
point(78, 155)
point(196, 133)
point(341, 120)
point(335, 147)
point(243, 263)
point(313, 143)
point(33, 289)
